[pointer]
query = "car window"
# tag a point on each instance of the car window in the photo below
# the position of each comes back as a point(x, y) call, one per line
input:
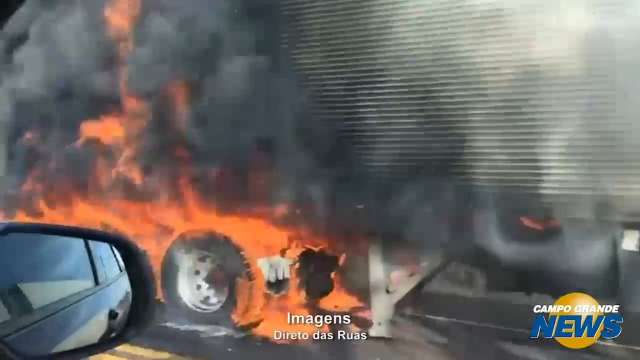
point(107, 266)
point(119, 258)
point(4, 313)
point(32, 275)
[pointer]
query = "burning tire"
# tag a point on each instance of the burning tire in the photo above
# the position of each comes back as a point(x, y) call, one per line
point(199, 273)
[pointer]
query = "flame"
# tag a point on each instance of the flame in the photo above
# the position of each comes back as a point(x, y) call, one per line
point(121, 17)
point(154, 224)
point(107, 129)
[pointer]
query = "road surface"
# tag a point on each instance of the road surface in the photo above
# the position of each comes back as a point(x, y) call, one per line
point(418, 334)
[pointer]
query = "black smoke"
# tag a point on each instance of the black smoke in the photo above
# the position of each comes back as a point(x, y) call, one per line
point(247, 110)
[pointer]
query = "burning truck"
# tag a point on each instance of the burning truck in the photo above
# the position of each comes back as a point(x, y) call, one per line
point(264, 154)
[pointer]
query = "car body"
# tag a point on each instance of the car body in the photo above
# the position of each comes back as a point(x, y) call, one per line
point(47, 307)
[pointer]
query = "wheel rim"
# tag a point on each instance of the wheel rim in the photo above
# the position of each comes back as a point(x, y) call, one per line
point(201, 282)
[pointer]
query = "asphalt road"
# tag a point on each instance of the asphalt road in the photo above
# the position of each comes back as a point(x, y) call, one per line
point(418, 334)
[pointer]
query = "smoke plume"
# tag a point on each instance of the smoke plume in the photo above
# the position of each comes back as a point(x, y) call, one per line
point(241, 112)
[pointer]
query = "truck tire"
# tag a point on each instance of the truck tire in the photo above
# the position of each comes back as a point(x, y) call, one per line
point(199, 273)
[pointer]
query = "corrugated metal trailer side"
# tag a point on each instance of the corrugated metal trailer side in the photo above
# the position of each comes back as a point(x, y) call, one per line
point(520, 95)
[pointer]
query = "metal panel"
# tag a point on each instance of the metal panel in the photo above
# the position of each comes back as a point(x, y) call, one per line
point(522, 94)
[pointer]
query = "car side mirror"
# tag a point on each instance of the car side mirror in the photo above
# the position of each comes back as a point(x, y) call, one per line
point(68, 292)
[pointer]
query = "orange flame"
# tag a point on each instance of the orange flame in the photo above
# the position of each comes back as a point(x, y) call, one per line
point(155, 224)
point(121, 17)
point(107, 129)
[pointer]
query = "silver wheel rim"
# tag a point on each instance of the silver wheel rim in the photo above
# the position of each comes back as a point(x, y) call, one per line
point(196, 286)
